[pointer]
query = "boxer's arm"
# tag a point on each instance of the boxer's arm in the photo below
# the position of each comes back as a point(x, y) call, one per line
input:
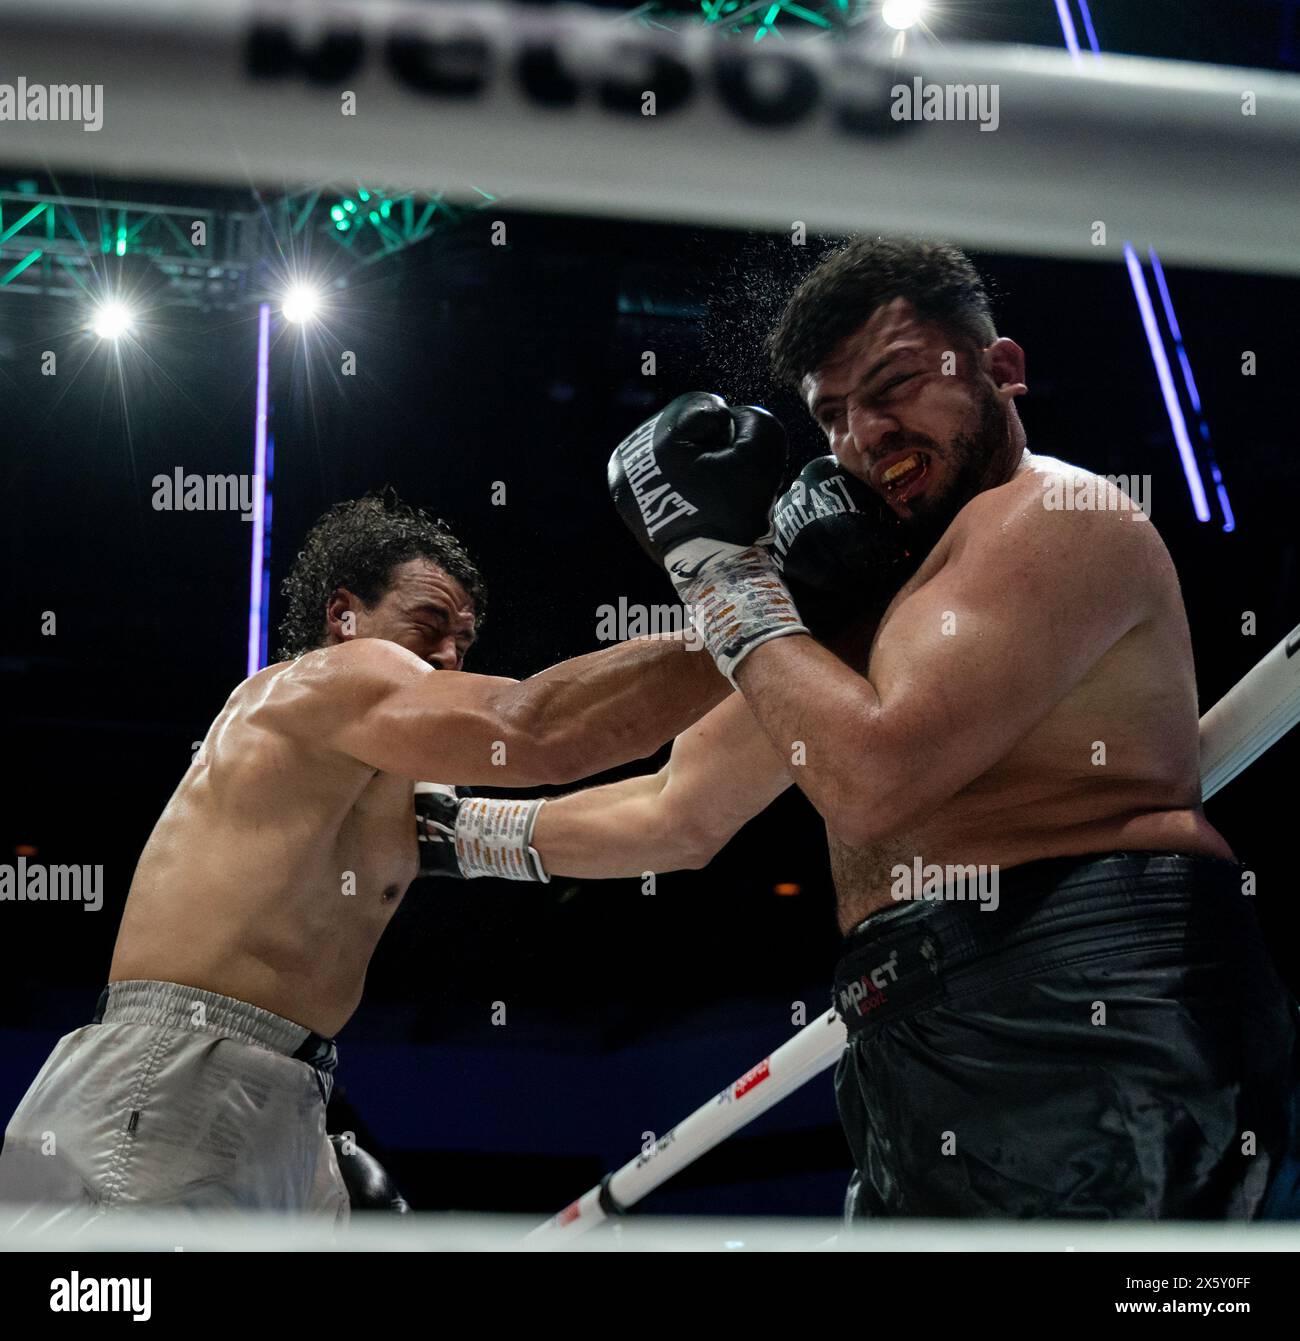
point(721, 773)
point(970, 661)
point(382, 705)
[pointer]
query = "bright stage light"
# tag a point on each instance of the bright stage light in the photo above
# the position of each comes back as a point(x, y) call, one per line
point(301, 303)
point(112, 320)
point(902, 13)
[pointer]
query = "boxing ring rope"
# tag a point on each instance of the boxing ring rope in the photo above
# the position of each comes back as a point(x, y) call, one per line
point(1252, 716)
point(425, 1232)
point(544, 107)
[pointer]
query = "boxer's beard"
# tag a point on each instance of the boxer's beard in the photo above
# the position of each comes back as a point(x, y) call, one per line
point(970, 456)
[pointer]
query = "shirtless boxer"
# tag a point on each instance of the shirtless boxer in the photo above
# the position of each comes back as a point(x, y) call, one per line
point(278, 862)
point(1106, 1038)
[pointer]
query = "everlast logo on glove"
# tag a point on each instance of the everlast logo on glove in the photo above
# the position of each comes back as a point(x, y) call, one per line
point(661, 504)
point(826, 497)
point(839, 548)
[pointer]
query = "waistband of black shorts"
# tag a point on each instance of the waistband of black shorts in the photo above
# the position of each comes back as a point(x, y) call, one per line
point(1048, 913)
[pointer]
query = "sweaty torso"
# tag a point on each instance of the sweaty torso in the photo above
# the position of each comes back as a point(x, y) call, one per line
point(1113, 766)
point(274, 869)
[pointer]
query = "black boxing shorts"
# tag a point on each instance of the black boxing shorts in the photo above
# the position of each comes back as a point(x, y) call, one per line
point(1111, 1040)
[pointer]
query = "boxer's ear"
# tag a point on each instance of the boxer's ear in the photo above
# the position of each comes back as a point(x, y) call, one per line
point(341, 616)
point(1004, 361)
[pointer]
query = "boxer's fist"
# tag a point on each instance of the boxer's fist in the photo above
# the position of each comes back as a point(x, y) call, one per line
point(840, 549)
point(468, 836)
point(699, 470)
point(696, 485)
point(370, 1186)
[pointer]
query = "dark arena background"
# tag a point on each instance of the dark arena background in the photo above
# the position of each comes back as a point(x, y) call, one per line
point(483, 359)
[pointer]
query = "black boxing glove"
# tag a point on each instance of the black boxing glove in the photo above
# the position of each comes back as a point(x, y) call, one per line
point(841, 550)
point(696, 486)
point(370, 1187)
point(699, 469)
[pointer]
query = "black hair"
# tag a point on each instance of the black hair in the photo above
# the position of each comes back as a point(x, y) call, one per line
point(356, 545)
point(843, 291)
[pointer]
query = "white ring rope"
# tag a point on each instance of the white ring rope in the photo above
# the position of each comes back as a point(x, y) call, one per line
point(792, 1065)
point(1253, 715)
point(1190, 158)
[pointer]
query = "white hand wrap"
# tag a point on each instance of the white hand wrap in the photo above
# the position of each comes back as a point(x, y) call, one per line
point(736, 598)
point(494, 837)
